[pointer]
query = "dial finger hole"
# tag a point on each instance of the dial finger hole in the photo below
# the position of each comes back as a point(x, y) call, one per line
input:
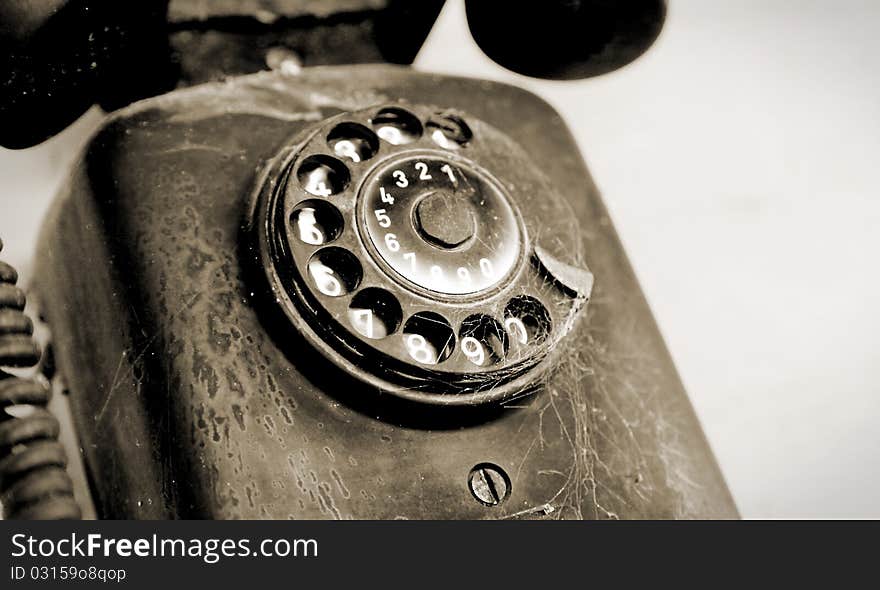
point(375, 313)
point(353, 142)
point(449, 131)
point(316, 222)
point(397, 126)
point(482, 340)
point(526, 321)
point(334, 271)
point(428, 338)
point(323, 176)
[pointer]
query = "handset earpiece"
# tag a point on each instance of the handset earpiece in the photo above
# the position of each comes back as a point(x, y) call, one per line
point(565, 39)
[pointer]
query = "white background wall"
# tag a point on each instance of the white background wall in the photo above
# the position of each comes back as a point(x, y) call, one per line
point(739, 159)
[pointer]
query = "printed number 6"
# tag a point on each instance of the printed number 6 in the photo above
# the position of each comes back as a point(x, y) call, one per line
point(391, 242)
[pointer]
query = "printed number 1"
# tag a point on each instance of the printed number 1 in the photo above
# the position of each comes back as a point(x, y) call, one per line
point(447, 169)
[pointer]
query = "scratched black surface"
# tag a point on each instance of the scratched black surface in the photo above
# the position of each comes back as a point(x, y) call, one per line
point(187, 407)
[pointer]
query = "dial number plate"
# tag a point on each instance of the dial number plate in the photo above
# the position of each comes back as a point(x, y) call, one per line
point(440, 225)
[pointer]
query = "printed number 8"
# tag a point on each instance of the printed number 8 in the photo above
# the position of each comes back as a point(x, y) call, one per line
point(418, 349)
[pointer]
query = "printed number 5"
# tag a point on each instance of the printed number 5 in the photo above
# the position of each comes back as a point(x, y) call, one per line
point(326, 282)
point(382, 217)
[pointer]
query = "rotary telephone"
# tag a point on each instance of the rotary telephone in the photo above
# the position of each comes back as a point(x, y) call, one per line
point(348, 291)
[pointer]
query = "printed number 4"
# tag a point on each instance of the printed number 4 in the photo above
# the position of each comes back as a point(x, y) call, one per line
point(322, 191)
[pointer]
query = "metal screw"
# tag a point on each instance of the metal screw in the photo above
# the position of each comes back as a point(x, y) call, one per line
point(489, 484)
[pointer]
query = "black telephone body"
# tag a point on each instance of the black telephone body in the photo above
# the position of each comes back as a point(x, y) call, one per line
point(359, 292)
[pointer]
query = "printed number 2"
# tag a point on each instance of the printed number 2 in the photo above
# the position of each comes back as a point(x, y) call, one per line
point(423, 171)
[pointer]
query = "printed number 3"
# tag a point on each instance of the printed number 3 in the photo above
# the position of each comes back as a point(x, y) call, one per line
point(402, 182)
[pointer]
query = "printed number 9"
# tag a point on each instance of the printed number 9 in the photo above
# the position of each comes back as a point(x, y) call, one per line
point(472, 349)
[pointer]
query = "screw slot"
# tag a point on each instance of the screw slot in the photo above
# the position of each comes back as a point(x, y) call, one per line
point(489, 484)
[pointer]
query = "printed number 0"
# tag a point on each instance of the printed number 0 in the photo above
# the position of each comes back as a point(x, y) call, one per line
point(486, 267)
point(516, 328)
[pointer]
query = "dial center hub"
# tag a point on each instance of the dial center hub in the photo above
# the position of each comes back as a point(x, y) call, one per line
point(445, 218)
point(439, 224)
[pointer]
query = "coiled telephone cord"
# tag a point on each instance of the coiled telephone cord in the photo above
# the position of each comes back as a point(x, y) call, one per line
point(34, 484)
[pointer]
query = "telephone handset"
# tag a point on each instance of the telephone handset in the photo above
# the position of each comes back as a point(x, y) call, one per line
point(403, 241)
